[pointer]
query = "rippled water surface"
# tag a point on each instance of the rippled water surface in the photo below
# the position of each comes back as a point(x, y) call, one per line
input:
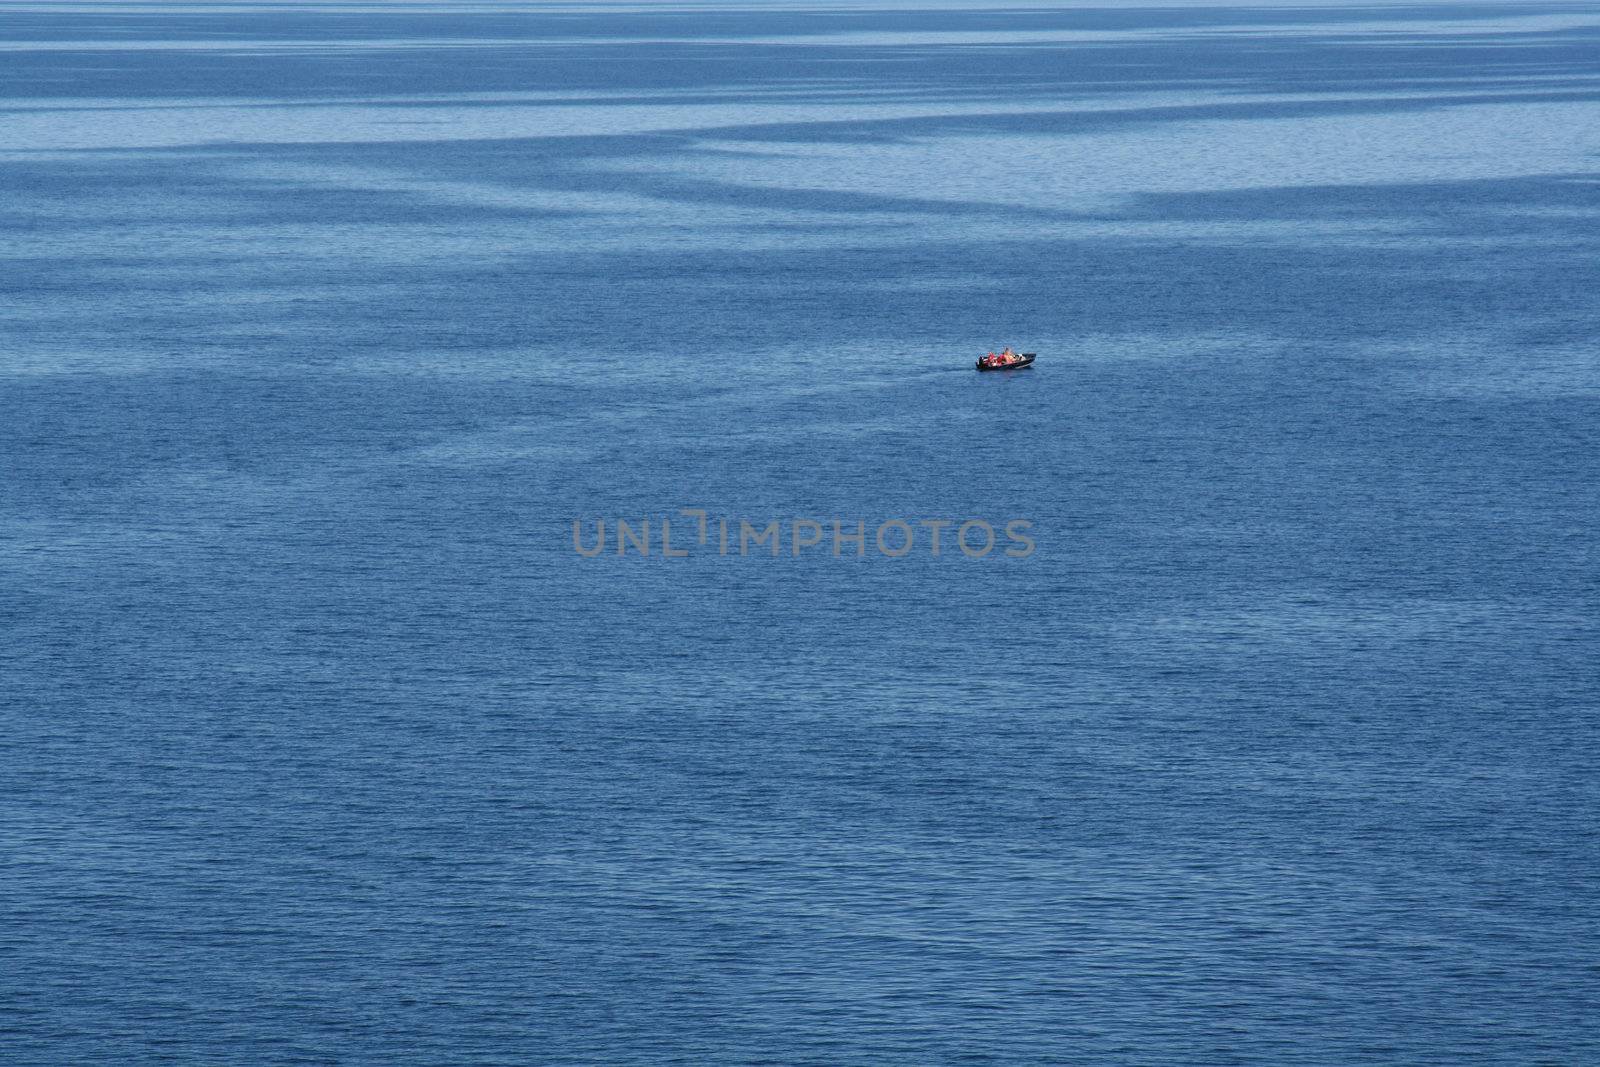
point(323, 321)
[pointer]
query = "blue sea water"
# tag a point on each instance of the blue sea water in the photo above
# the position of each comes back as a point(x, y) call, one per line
point(324, 320)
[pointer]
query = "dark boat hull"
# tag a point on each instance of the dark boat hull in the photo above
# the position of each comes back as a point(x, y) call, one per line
point(1025, 361)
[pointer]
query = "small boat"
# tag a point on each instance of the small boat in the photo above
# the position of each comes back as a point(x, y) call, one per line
point(1024, 359)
